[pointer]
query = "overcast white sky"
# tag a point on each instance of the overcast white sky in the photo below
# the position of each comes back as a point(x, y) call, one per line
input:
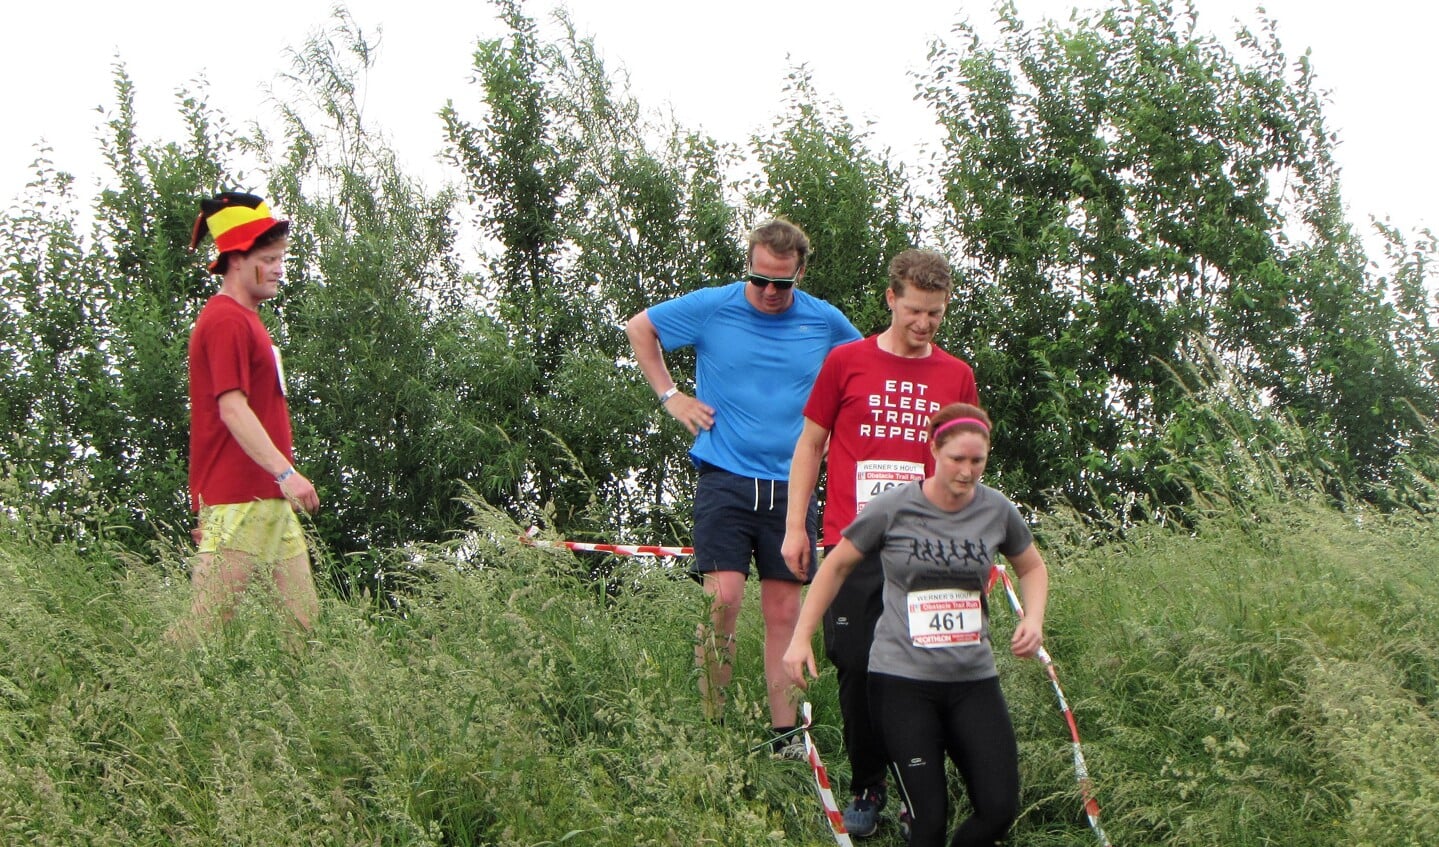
point(720, 66)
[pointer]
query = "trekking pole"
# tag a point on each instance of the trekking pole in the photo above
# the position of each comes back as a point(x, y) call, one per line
point(1081, 772)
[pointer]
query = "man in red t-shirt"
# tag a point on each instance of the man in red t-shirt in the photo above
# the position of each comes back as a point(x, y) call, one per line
point(243, 482)
point(872, 402)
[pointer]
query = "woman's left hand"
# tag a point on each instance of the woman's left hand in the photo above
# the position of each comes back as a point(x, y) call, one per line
point(1028, 637)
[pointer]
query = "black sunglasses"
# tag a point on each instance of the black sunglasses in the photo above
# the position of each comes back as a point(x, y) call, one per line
point(782, 283)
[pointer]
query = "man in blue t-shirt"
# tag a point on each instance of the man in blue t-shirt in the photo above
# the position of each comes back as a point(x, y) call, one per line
point(759, 344)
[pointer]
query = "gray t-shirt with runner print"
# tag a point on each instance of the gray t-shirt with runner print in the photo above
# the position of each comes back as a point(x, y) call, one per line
point(935, 624)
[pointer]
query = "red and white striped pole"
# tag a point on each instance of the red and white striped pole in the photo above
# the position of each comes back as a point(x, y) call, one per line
point(1081, 771)
point(654, 550)
point(821, 782)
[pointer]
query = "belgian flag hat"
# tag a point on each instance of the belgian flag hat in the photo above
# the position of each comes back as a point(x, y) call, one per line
point(235, 220)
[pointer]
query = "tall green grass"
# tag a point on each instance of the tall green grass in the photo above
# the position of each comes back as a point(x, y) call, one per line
point(509, 701)
point(1265, 679)
point(1214, 677)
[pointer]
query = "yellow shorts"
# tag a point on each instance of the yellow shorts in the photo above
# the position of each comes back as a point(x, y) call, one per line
point(268, 530)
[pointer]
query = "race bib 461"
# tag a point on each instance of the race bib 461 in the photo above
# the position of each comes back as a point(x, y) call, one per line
point(945, 617)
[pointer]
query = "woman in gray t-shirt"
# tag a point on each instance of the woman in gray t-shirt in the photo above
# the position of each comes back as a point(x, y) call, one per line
point(934, 691)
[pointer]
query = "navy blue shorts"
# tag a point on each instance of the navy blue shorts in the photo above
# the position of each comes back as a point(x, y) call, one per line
point(738, 518)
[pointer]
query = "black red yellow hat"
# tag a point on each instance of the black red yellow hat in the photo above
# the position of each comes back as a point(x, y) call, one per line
point(234, 220)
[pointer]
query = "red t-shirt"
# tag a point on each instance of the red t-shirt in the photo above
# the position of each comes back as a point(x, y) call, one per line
point(230, 349)
point(876, 406)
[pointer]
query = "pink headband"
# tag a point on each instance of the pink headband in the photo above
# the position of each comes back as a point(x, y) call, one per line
point(955, 422)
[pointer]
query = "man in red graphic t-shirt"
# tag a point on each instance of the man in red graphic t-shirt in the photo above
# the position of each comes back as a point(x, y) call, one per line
point(872, 402)
point(243, 482)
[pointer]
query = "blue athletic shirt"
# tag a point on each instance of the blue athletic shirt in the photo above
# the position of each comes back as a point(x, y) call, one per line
point(754, 369)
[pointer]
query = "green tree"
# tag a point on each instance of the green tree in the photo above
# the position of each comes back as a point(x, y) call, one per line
point(594, 214)
point(99, 325)
point(1128, 189)
point(648, 220)
point(518, 166)
point(856, 205)
point(50, 334)
point(372, 315)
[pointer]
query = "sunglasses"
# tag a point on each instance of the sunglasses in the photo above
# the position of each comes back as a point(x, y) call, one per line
point(781, 283)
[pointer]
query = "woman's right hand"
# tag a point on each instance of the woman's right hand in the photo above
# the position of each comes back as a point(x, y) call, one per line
point(798, 658)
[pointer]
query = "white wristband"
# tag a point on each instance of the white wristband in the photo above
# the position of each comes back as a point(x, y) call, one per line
point(665, 397)
point(284, 475)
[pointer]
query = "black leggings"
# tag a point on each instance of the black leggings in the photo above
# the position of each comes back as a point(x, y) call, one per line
point(969, 721)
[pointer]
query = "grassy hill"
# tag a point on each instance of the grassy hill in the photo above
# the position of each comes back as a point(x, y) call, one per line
point(1265, 679)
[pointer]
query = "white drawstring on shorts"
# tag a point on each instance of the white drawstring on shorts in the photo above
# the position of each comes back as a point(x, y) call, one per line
point(771, 495)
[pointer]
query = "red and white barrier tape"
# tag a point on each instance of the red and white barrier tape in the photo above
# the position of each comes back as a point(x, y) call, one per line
point(821, 782)
point(616, 549)
point(1081, 772)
